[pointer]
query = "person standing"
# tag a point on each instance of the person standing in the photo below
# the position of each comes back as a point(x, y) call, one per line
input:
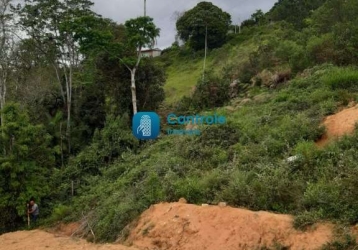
point(33, 211)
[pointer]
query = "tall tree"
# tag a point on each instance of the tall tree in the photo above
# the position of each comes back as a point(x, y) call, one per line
point(100, 35)
point(7, 45)
point(25, 168)
point(192, 26)
point(141, 32)
point(258, 16)
point(49, 24)
point(109, 64)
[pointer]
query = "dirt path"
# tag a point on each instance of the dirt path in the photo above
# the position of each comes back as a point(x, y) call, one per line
point(40, 240)
point(339, 124)
point(178, 226)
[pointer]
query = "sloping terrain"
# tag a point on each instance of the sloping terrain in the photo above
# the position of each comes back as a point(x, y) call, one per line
point(40, 240)
point(189, 227)
point(185, 71)
point(183, 226)
point(339, 124)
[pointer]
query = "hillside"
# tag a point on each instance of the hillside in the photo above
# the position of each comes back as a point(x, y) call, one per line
point(280, 149)
point(339, 124)
point(243, 162)
point(288, 82)
point(190, 227)
point(184, 70)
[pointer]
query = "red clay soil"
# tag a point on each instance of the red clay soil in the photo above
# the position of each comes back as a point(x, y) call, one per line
point(339, 124)
point(40, 240)
point(64, 229)
point(178, 226)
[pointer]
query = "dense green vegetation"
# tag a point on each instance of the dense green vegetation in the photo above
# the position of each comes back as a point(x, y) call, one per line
point(69, 74)
point(290, 71)
point(243, 162)
point(295, 12)
point(204, 24)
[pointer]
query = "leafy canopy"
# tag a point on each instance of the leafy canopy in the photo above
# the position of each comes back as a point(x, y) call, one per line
point(192, 25)
point(294, 11)
point(141, 32)
point(55, 25)
point(26, 161)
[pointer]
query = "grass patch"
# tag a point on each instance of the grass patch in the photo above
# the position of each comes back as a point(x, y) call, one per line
point(343, 240)
point(342, 78)
point(184, 72)
point(306, 219)
point(182, 77)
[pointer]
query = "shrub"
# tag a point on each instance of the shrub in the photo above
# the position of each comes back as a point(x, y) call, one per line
point(223, 135)
point(266, 187)
point(291, 53)
point(107, 145)
point(191, 188)
point(335, 198)
point(60, 212)
point(321, 49)
point(210, 93)
point(342, 78)
point(185, 104)
point(305, 219)
point(345, 242)
point(344, 96)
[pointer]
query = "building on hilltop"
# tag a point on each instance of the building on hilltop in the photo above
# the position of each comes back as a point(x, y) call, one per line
point(151, 52)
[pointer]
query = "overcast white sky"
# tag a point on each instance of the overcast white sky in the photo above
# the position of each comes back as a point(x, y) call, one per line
point(162, 11)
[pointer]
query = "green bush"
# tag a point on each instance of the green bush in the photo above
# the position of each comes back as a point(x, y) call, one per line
point(305, 219)
point(328, 107)
point(346, 242)
point(342, 78)
point(107, 145)
point(185, 104)
point(293, 54)
point(344, 96)
point(321, 49)
point(191, 188)
point(60, 212)
point(210, 93)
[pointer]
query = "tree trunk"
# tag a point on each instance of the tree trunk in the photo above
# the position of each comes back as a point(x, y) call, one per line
point(2, 105)
point(133, 85)
point(62, 161)
point(68, 131)
point(134, 91)
point(206, 49)
point(68, 77)
point(2, 98)
point(4, 57)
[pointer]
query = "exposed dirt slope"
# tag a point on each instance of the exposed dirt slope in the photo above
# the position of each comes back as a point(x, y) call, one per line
point(339, 124)
point(40, 240)
point(179, 226)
